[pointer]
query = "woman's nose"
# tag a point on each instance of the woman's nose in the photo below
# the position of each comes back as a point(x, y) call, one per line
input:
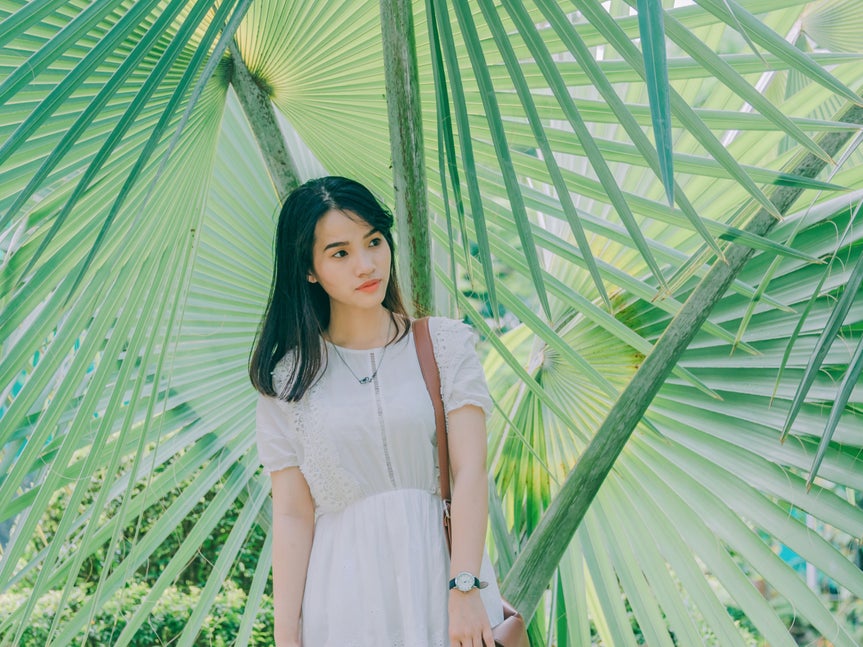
point(365, 263)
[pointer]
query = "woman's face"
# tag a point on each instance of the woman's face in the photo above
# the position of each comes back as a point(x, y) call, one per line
point(350, 260)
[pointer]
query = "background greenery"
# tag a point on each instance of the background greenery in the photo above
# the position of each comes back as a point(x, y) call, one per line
point(137, 210)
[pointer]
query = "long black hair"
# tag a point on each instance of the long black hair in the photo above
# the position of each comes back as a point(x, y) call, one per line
point(298, 311)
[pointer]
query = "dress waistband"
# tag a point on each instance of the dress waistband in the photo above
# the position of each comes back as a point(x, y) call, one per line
point(379, 498)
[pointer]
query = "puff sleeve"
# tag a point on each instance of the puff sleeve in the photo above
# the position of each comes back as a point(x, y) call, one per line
point(275, 434)
point(462, 378)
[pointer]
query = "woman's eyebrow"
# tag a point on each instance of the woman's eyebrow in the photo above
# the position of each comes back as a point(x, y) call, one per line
point(338, 243)
point(341, 243)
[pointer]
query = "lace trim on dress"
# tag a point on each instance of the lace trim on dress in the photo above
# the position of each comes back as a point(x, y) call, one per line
point(452, 339)
point(331, 485)
point(462, 378)
point(280, 375)
point(275, 467)
point(445, 332)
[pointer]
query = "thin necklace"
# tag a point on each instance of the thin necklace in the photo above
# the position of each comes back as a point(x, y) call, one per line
point(363, 380)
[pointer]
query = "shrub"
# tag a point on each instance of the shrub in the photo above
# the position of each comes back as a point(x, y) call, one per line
point(162, 626)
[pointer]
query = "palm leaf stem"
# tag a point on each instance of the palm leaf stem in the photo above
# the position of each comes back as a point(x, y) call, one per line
point(262, 118)
point(408, 152)
point(527, 579)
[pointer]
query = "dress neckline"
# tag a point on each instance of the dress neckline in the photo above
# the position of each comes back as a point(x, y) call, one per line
point(374, 349)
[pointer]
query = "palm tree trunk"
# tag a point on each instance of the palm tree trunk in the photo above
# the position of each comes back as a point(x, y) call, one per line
point(527, 579)
point(262, 118)
point(408, 154)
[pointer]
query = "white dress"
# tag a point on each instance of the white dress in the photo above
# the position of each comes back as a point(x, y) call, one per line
point(379, 566)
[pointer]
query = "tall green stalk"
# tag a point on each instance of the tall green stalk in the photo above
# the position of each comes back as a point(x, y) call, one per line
point(408, 153)
point(262, 118)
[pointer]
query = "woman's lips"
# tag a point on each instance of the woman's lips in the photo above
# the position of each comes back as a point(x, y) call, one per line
point(369, 286)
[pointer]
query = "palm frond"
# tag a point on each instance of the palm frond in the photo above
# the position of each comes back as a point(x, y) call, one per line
point(136, 219)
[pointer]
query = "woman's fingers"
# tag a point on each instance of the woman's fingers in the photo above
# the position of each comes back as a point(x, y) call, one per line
point(482, 638)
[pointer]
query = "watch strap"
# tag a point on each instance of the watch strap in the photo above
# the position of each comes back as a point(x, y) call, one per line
point(477, 583)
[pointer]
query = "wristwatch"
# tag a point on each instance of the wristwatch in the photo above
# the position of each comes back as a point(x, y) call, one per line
point(465, 581)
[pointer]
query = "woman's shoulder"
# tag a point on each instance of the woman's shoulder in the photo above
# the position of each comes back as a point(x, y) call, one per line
point(445, 326)
point(453, 339)
point(462, 377)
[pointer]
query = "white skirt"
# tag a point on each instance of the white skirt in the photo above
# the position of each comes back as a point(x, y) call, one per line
point(378, 574)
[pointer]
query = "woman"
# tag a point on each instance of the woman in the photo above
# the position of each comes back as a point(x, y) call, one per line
point(345, 428)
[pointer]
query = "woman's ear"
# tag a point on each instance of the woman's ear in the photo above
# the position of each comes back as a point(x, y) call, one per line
point(311, 278)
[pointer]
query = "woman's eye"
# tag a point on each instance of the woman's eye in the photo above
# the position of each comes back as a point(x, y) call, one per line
point(340, 254)
point(375, 242)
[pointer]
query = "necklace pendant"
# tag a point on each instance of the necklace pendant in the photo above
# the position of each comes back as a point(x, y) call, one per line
point(365, 380)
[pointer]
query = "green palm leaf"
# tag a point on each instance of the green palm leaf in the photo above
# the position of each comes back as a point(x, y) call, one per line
point(136, 220)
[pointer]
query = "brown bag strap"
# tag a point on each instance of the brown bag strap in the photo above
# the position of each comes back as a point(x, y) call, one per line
point(431, 375)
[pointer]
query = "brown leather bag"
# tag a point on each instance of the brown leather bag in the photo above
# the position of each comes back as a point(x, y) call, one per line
point(512, 631)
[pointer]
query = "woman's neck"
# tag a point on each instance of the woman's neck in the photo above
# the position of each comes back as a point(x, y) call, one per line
point(360, 330)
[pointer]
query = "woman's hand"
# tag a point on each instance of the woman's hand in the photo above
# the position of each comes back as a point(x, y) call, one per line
point(468, 620)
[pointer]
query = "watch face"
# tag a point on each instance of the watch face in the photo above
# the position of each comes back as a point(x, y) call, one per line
point(464, 581)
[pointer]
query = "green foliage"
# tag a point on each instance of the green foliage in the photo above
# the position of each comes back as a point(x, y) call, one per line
point(195, 573)
point(123, 396)
point(164, 624)
point(173, 609)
